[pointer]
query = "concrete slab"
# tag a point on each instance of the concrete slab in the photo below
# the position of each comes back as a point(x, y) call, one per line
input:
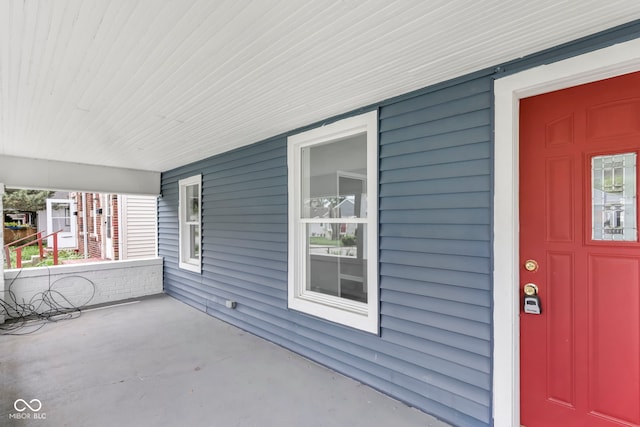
point(158, 362)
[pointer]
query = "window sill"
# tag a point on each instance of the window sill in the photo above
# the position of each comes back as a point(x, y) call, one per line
point(353, 314)
point(195, 268)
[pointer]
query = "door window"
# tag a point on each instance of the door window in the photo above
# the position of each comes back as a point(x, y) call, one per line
point(613, 195)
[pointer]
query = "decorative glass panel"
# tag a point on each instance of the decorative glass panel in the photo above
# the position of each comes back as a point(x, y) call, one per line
point(336, 265)
point(613, 180)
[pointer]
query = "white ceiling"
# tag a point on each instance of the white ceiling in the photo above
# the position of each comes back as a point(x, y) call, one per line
point(155, 84)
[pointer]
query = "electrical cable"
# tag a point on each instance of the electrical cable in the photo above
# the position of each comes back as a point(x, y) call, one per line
point(49, 305)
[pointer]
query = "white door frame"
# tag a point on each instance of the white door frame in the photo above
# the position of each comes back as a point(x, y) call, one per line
point(66, 239)
point(608, 62)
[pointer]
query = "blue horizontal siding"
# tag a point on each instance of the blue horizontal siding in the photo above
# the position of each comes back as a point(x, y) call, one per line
point(437, 290)
point(444, 126)
point(436, 216)
point(435, 231)
point(437, 96)
point(438, 201)
point(441, 261)
point(451, 247)
point(435, 188)
point(450, 156)
point(435, 194)
point(435, 142)
point(461, 327)
point(442, 336)
point(465, 168)
point(435, 114)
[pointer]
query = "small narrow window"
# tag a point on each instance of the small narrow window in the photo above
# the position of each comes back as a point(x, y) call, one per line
point(333, 251)
point(190, 223)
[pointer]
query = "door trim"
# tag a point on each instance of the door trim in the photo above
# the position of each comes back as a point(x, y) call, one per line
point(597, 65)
point(72, 224)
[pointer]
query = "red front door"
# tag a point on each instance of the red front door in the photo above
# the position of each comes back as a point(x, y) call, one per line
point(580, 358)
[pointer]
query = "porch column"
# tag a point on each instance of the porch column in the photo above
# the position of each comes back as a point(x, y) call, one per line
point(2, 252)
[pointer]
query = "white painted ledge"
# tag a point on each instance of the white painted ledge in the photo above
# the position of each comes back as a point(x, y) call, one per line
point(87, 284)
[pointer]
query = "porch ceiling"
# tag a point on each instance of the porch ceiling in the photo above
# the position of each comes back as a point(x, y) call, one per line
point(155, 84)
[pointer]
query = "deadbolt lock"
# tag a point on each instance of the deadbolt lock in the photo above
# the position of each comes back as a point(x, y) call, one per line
point(530, 265)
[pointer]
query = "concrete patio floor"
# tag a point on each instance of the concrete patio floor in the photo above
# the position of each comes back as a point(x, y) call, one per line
point(158, 362)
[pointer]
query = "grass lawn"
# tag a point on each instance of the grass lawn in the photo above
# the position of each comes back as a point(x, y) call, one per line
point(28, 251)
point(324, 242)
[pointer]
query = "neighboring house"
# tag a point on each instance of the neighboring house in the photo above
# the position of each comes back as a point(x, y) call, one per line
point(44, 216)
point(434, 322)
point(55, 217)
point(343, 209)
point(321, 229)
point(138, 226)
point(61, 219)
point(102, 226)
point(111, 226)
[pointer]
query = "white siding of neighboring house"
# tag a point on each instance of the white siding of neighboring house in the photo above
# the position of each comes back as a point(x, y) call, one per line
point(138, 226)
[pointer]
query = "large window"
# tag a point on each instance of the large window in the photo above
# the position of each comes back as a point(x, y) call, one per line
point(333, 231)
point(190, 223)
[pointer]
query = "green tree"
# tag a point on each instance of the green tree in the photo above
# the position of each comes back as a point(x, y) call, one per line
point(28, 201)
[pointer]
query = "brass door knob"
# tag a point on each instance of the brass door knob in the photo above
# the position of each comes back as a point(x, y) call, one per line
point(530, 289)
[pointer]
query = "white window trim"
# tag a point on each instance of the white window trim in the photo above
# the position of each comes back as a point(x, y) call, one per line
point(601, 64)
point(364, 316)
point(184, 261)
point(94, 215)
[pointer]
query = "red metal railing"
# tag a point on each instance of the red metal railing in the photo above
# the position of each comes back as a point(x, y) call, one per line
point(38, 240)
point(6, 247)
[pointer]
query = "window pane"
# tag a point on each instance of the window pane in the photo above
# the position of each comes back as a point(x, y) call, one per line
point(613, 181)
point(60, 224)
point(61, 217)
point(193, 203)
point(334, 179)
point(194, 241)
point(337, 264)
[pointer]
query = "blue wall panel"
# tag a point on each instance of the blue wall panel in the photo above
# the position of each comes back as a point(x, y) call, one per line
point(435, 196)
point(435, 187)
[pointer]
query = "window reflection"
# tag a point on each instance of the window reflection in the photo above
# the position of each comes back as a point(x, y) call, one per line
point(337, 266)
